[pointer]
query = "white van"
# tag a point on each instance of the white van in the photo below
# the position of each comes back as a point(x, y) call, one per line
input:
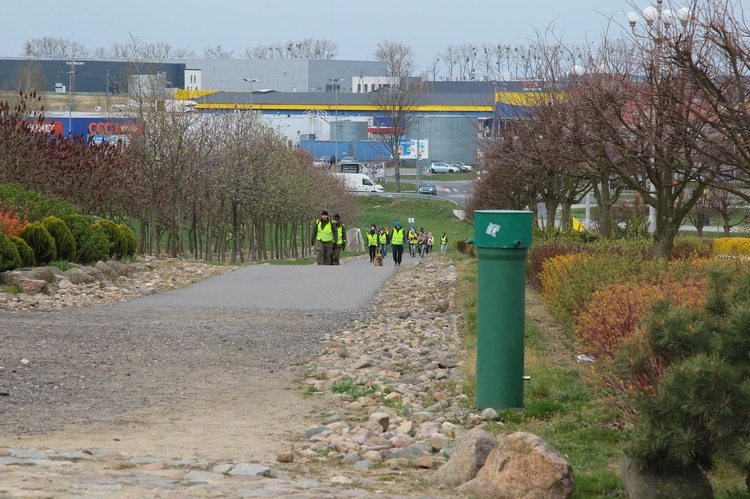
point(359, 182)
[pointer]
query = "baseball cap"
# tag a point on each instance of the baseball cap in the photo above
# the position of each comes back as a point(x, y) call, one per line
point(336, 217)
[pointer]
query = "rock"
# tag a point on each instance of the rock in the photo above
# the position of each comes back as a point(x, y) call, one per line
point(688, 484)
point(354, 240)
point(411, 453)
point(285, 457)
point(78, 276)
point(424, 462)
point(467, 459)
point(105, 269)
point(382, 419)
point(332, 419)
point(490, 414)
point(341, 480)
point(119, 268)
point(250, 470)
point(525, 466)
point(314, 431)
point(365, 464)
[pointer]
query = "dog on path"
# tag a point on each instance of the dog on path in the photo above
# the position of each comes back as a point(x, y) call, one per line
point(378, 262)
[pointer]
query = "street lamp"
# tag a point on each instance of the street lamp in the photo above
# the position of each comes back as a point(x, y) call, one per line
point(658, 22)
point(251, 81)
point(336, 129)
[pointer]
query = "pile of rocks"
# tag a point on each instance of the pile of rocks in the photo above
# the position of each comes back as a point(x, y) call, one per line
point(402, 403)
point(49, 288)
point(395, 377)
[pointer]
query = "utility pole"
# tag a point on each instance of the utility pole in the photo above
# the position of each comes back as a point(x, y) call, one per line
point(336, 129)
point(72, 63)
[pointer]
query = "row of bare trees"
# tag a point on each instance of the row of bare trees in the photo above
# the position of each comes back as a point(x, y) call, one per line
point(664, 115)
point(486, 61)
point(223, 187)
point(63, 48)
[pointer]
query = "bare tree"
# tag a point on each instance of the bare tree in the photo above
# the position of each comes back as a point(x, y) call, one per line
point(450, 58)
point(54, 48)
point(308, 48)
point(217, 52)
point(29, 77)
point(396, 103)
point(398, 57)
point(728, 206)
point(700, 215)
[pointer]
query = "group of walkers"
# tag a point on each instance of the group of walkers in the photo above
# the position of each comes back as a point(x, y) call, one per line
point(329, 240)
point(420, 242)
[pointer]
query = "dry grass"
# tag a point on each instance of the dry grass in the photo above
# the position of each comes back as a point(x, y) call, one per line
point(53, 102)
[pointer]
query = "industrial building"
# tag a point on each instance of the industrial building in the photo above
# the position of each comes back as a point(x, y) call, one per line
point(320, 105)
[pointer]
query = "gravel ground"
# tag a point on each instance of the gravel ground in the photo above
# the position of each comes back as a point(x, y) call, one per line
point(92, 365)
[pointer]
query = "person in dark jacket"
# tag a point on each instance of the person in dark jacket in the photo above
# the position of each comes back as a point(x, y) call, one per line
point(323, 238)
point(340, 239)
point(397, 243)
point(372, 242)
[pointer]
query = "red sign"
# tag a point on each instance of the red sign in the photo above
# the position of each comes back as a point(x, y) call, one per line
point(51, 127)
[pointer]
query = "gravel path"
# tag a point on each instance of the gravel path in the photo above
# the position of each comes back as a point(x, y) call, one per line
point(204, 375)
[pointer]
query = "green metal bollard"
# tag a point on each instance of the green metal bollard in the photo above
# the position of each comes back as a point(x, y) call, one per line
point(502, 239)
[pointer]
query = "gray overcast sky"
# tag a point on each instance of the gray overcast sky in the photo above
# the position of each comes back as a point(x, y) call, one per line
point(429, 26)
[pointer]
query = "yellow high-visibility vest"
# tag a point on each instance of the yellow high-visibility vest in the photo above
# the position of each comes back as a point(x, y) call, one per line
point(398, 237)
point(325, 233)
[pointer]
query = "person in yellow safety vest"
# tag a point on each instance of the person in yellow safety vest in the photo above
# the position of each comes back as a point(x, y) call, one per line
point(397, 244)
point(383, 241)
point(323, 238)
point(443, 242)
point(372, 242)
point(412, 242)
point(340, 244)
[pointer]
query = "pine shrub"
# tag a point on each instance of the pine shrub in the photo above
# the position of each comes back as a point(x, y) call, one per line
point(24, 251)
point(92, 243)
point(690, 369)
point(64, 240)
point(115, 236)
point(131, 243)
point(40, 241)
point(9, 257)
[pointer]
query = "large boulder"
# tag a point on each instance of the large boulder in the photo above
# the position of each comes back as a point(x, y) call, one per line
point(524, 466)
point(27, 281)
point(354, 241)
point(466, 460)
point(644, 484)
point(77, 275)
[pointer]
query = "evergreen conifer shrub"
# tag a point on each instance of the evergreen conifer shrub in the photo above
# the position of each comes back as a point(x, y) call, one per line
point(92, 243)
point(131, 243)
point(64, 240)
point(40, 241)
point(115, 236)
point(24, 251)
point(9, 258)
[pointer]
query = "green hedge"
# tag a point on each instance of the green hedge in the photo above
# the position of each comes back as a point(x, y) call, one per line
point(92, 243)
point(40, 241)
point(64, 240)
point(9, 257)
point(24, 251)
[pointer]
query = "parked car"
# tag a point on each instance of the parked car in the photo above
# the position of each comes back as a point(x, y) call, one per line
point(427, 188)
point(463, 166)
point(443, 167)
